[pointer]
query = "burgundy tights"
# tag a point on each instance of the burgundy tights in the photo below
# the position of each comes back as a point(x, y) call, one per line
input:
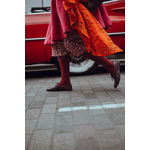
point(100, 60)
point(64, 65)
point(65, 72)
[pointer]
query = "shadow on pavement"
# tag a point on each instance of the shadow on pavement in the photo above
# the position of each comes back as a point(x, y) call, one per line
point(56, 73)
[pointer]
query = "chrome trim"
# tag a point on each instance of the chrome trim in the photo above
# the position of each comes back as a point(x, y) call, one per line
point(117, 33)
point(110, 1)
point(37, 13)
point(35, 39)
point(118, 19)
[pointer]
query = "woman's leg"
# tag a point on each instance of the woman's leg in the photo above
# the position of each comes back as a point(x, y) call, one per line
point(112, 66)
point(100, 60)
point(64, 84)
point(64, 62)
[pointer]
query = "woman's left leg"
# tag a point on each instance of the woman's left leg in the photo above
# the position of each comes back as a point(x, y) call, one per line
point(112, 66)
point(100, 60)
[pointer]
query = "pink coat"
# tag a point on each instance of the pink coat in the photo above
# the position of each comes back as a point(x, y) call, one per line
point(59, 22)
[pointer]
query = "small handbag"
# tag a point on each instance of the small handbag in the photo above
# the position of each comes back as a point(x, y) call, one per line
point(92, 4)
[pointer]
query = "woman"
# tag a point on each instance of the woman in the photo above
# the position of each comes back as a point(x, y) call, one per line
point(73, 30)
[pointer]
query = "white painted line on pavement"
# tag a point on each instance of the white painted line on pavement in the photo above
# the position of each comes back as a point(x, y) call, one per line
point(79, 108)
point(108, 106)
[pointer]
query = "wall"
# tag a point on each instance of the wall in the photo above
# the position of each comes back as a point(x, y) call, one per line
point(36, 3)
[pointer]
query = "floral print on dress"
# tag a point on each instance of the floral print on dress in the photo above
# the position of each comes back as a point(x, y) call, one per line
point(72, 44)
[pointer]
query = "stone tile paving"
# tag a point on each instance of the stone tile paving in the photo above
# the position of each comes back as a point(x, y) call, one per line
point(91, 117)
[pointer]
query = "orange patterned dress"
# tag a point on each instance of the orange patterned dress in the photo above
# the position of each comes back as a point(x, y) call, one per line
point(94, 36)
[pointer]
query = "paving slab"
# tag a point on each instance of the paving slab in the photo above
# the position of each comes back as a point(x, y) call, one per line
point(90, 144)
point(41, 140)
point(46, 121)
point(63, 124)
point(63, 141)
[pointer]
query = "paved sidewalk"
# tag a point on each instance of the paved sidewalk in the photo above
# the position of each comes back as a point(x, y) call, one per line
point(91, 117)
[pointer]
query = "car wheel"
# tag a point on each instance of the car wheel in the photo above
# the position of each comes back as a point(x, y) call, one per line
point(80, 65)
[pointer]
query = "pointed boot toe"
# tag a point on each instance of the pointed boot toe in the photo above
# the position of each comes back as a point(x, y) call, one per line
point(116, 74)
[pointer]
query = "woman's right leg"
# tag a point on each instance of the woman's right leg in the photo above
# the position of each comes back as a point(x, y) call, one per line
point(64, 62)
point(64, 84)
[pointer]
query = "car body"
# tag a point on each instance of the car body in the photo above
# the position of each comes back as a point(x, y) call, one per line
point(36, 25)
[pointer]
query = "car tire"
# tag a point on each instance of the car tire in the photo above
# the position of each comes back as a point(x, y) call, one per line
point(80, 65)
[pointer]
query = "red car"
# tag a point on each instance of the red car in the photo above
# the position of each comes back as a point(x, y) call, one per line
point(36, 25)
